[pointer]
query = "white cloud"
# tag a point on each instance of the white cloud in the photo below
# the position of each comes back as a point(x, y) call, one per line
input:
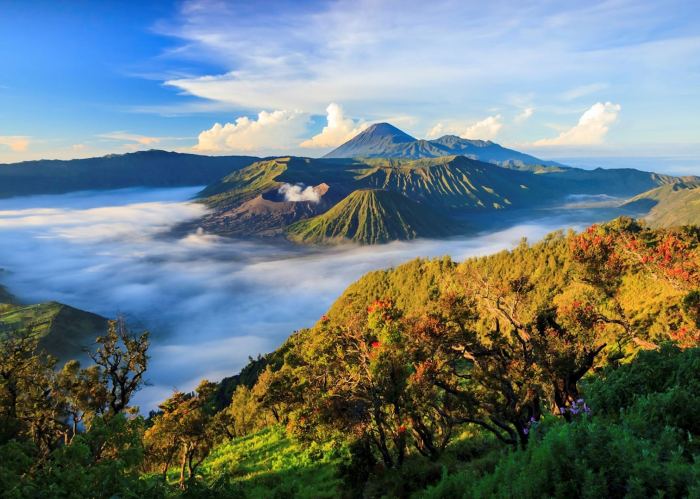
point(16, 143)
point(524, 115)
point(591, 128)
point(274, 130)
point(583, 90)
point(485, 129)
point(339, 129)
point(296, 193)
point(131, 137)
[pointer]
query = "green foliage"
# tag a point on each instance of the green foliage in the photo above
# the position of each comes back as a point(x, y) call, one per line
point(272, 464)
point(638, 442)
point(64, 331)
point(410, 385)
point(584, 459)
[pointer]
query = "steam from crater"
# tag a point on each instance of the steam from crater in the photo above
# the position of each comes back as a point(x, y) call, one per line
point(297, 192)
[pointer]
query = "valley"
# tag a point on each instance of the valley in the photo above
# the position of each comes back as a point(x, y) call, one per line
point(114, 253)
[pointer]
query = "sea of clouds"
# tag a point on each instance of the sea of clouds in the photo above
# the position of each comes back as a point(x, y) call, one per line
point(209, 302)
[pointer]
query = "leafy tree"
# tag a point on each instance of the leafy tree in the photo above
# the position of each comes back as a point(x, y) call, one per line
point(184, 426)
point(121, 359)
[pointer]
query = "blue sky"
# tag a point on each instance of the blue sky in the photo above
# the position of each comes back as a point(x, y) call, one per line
point(595, 82)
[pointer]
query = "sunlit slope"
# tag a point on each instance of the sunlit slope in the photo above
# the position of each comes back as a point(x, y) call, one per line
point(272, 464)
point(245, 184)
point(64, 330)
point(455, 182)
point(267, 175)
point(670, 205)
point(371, 216)
point(248, 202)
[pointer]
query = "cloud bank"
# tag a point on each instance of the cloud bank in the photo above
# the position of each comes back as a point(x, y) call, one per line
point(209, 302)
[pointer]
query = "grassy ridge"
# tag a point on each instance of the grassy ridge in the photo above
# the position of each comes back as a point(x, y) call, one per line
point(371, 217)
point(63, 330)
point(670, 205)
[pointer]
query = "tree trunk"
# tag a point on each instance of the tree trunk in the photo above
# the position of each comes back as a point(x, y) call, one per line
point(183, 467)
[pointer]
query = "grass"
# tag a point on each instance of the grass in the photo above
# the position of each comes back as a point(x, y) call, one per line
point(64, 330)
point(272, 464)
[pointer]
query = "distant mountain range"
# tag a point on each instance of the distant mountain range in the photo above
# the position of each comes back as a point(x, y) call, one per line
point(115, 171)
point(371, 201)
point(379, 186)
point(383, 140)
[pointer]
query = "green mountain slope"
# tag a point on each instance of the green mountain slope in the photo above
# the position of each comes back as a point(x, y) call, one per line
point(64, 330)
point(670, 205)
point(248, 202)
point(455, 182)
point(115, 171)
point(5, 295)
point(257, 462)
point(370, 216)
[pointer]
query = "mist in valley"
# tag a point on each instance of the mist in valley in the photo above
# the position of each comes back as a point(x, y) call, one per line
point(209, 302)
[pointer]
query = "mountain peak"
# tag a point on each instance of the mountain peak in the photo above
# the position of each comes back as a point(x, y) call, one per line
point(374, 140)
point(378, 130)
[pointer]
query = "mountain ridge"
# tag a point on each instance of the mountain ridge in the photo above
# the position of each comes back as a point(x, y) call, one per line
point(383, 140)
point(153, 168)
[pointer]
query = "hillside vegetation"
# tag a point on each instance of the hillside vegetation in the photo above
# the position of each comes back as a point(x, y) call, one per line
point(371, 217)
point(62, 330)
point(567, 368)
point(670, 205)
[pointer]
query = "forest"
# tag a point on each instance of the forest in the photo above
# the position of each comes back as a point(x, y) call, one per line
point(565, 368)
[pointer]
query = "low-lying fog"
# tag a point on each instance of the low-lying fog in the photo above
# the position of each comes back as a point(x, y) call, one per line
point(209, 302)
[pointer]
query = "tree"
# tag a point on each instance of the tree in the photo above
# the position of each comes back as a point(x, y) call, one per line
point(29, 406)
point(185, 427)
point(121, 359)
point(363, 380)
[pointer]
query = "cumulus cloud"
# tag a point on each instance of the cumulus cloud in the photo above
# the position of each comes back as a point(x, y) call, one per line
point(524, 115)
point(16, 143)
point(485, 129)
point(339, 129)
point(271, 130)
point(591, 128)
point(298, 192)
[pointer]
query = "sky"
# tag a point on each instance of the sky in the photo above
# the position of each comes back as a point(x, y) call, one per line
point(610, 83)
